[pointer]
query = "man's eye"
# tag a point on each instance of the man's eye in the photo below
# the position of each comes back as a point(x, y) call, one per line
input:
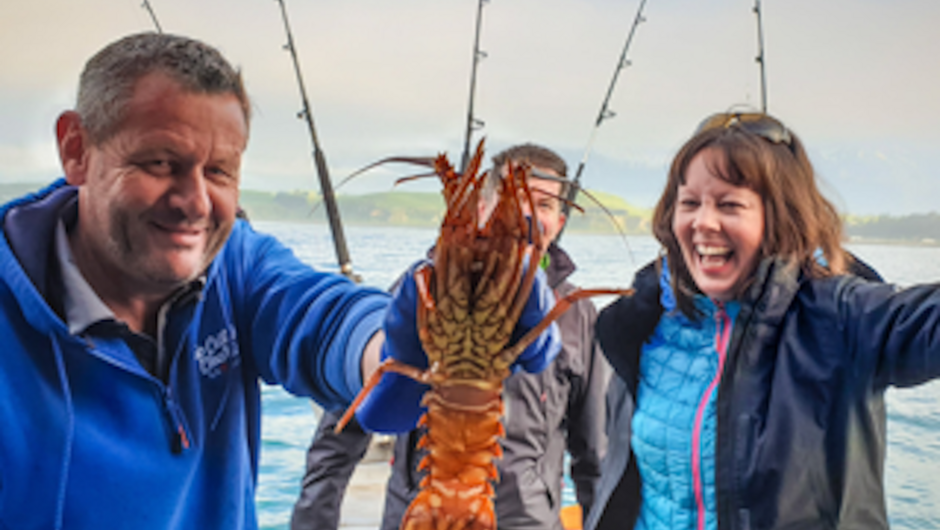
point(220, 174)
point(158, 167)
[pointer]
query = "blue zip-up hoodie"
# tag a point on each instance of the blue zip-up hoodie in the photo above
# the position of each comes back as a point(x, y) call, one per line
point(92, 440)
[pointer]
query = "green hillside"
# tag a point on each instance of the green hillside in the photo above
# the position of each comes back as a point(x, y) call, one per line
point(12, 191)
point(426, 209)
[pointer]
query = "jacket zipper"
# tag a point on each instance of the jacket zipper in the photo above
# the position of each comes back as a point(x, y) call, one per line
point(180, 439)
point(722, 337)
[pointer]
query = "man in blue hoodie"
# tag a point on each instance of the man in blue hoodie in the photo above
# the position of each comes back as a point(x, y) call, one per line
point(139, 315)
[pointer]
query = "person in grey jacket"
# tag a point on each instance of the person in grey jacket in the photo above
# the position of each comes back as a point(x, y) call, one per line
point(561, 408)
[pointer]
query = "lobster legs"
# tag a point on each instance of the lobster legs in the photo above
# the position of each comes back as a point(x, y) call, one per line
point(462, 432)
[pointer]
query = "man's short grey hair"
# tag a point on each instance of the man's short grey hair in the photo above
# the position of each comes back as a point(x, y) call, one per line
point(108, 80)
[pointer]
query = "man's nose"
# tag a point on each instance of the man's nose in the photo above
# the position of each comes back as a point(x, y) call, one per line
point(191, 193)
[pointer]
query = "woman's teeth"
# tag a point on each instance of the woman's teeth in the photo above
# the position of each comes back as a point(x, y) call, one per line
point(705, 250)
point(713, 255)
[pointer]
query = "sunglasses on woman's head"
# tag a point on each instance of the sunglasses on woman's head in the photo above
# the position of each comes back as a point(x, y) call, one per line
point(757, 123)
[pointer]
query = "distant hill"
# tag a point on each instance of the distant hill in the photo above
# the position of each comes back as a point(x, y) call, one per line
point(921, 229)
point(15, 190)
point(427, 209)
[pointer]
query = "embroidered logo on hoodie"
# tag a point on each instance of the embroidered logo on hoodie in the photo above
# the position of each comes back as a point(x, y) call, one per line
point(218, 353)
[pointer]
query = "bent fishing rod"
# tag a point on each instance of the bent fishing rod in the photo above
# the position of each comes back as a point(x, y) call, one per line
point(604, 114)
point(760, 57)
point(153, 16)
point(326, 187)
point(472, 122)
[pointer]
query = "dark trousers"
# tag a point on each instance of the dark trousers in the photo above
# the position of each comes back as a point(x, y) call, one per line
point(331, 460)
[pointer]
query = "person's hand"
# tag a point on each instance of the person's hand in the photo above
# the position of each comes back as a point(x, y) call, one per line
point(395, 403)
point(543, 350)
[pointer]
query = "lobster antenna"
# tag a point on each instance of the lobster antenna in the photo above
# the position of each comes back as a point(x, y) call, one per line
point(605, 112)
point(326, 188)
point(153, 16)
point(760, 57)
point(472, 122)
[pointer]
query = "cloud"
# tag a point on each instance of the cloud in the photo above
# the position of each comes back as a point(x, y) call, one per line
point(390, 78)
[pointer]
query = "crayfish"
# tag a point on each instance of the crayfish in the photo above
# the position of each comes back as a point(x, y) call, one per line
point(470, 298)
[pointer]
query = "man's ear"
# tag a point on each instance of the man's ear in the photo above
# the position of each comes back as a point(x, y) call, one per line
point(73, 147)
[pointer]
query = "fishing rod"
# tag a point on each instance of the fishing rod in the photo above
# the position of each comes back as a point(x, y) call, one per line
point(326, 187)
point(760, 57)
point(472, 122)
point(604, 114)
point(153, 16)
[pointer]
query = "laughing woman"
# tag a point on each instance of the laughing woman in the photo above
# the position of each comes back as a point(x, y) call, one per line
point(753, 357)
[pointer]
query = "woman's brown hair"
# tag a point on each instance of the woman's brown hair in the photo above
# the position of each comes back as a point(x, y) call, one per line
point(799, 222)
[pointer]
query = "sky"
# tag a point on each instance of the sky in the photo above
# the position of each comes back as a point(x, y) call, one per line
point(857, 80)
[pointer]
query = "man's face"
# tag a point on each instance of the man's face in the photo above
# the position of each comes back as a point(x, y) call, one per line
point(547, 205)
point(158, 198)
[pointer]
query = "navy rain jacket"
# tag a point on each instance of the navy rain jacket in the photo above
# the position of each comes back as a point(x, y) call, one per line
point(801, 415)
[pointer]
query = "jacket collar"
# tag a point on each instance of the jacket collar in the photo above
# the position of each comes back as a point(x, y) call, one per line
point(773, 287)
point(29, 225)
point(560, 266)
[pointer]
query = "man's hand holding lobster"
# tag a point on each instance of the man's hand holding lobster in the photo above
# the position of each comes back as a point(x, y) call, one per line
point(394, 405)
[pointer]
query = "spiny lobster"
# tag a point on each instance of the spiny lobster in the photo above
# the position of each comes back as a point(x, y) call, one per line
point(469, 302)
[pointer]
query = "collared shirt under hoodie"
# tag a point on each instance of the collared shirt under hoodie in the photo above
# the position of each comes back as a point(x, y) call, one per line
point(85, 313)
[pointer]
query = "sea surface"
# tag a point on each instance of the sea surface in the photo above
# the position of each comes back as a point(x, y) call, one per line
point(379, 254)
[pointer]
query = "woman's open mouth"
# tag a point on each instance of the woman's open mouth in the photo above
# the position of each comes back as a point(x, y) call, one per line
point(713, 256)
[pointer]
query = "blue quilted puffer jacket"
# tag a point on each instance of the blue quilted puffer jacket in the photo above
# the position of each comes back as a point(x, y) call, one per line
point(674, 425)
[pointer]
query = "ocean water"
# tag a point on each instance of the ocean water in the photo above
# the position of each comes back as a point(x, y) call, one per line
point(379, 254)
